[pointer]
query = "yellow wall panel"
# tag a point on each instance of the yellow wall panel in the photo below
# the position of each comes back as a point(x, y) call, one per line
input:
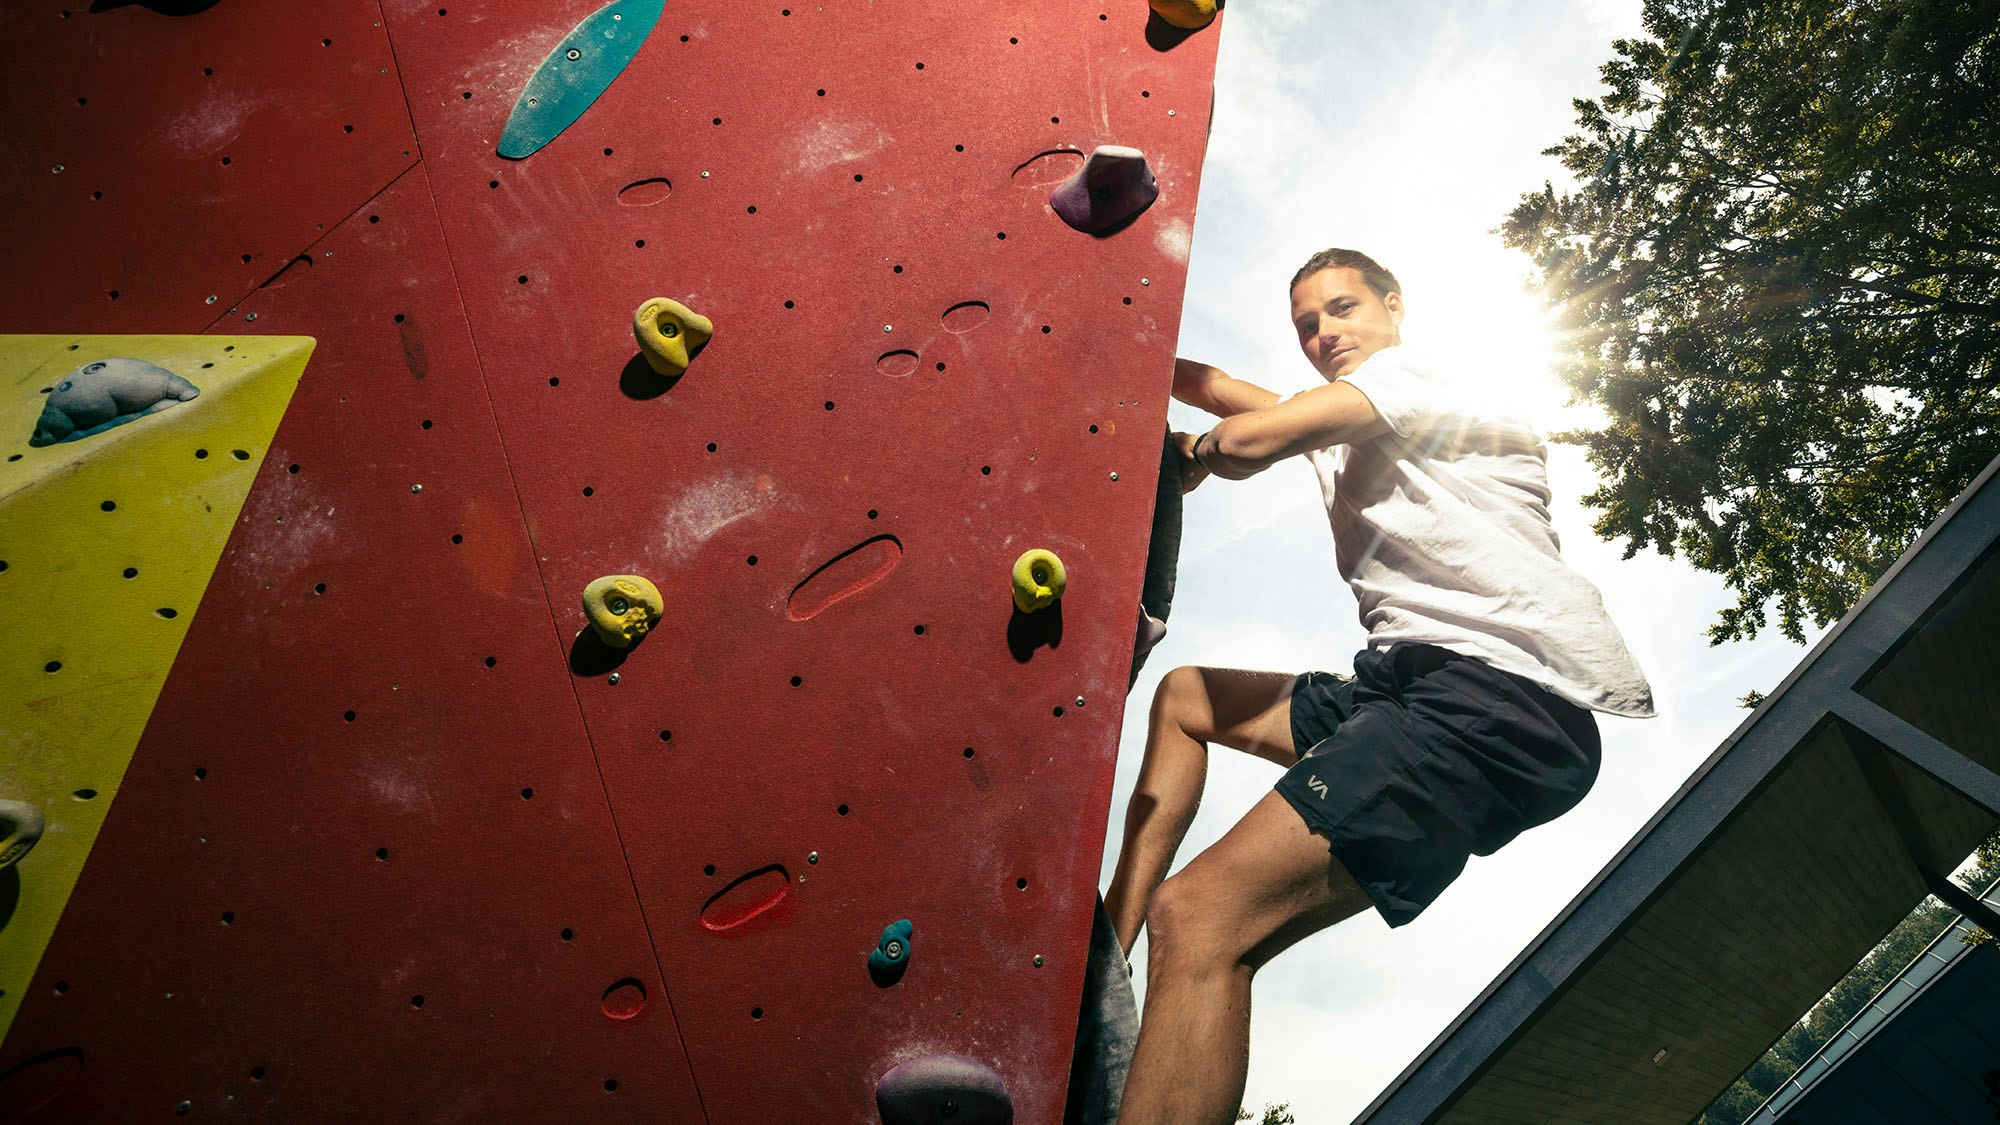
point(106, 546)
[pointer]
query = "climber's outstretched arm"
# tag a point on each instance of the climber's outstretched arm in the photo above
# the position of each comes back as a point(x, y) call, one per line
point(1216, 391)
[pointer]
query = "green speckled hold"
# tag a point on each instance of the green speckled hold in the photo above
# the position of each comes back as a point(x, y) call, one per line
point(892, 953)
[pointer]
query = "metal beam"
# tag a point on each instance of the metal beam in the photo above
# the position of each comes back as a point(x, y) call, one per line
point(1962, 900)
point(1948, 767)
point(1873, 758)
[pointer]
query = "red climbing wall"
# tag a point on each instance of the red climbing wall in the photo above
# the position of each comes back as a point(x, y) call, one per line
point(382, 769)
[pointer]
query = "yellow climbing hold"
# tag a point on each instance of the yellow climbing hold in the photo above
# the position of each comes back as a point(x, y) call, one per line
point(1189, 14)
point(670, 334)
point(622, 607)
point(1038, 580)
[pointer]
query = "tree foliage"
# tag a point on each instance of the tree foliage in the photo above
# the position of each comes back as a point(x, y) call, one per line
point(1279, 1113)
point(1780, 279)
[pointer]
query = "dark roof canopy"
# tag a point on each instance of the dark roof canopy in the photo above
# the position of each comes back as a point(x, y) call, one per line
point(1852, 791)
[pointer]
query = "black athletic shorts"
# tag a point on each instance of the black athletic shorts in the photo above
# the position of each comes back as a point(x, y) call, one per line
point(1424, 757)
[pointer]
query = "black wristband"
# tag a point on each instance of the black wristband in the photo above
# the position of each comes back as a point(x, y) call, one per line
point(1196, 451)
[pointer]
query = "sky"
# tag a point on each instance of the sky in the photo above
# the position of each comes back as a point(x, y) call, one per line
point(1408, 131)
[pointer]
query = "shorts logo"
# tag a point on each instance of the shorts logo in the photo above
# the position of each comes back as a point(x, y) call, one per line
point(1316, 785)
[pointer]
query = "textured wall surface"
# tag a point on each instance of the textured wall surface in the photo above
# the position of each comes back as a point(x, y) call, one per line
point(401, 840)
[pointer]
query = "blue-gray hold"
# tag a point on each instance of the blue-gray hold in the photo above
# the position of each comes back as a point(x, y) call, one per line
point(20, 827)
point(105, 393)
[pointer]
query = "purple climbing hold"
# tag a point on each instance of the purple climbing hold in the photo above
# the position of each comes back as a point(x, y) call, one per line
point(1114, 185)
point(943, 1090)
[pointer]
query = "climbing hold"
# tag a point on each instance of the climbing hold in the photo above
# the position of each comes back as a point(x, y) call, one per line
point(20, 827)
point(941, 1089)
point(1152, 631)
point(1111, 188)
point(892, 953)
point(575, 72)
point(1189, 15)
point(622, 607)
point(105, 393)
point(746, 897)
point(1039, 579)
point(670, 334)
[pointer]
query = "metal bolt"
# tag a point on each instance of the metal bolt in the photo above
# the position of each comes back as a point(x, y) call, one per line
point(894, 949)
point(57, 169)
point(1170, 113)
point(812, 857)
point(619, 605)
point(1145, 281)
point(534, 101)
point(572, 54)
point(888, 328)
point(211, 298)
point(249, 316)
point(416, 488)
point(1079, 701)
point(670, 330)
point(1038, 960)
point(613, 678)
point(1114, 474)
point(704, 175)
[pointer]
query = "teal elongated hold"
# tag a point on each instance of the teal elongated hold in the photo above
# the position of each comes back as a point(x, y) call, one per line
point(593, 54)
point(892, 953)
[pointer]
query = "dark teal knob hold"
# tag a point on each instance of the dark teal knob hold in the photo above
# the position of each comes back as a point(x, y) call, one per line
point(892, 952)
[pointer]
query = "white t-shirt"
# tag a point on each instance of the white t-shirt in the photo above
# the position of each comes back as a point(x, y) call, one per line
point(1442, 528)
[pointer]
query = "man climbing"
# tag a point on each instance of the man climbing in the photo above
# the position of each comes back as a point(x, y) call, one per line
point(1467, 719)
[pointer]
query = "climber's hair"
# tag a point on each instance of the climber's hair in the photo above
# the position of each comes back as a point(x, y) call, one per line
point(1378, 279)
